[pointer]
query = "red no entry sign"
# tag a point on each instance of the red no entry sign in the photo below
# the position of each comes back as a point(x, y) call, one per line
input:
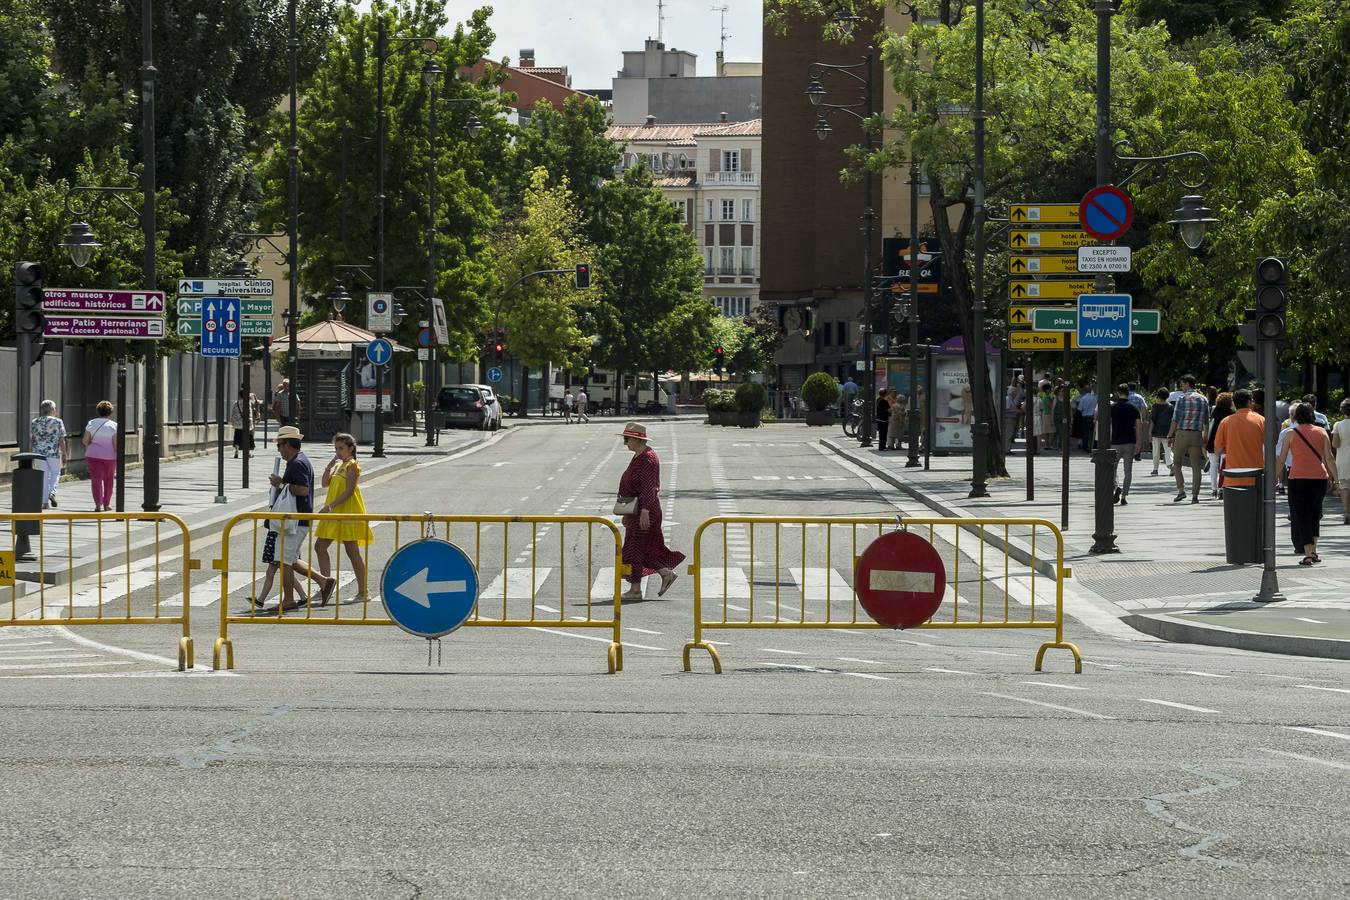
point(901, 580)
point(1106, 212)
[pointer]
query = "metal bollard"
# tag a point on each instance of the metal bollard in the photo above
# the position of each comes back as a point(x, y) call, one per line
point(26, 497)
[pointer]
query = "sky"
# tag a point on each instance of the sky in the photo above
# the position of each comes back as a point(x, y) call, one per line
point(589, 36)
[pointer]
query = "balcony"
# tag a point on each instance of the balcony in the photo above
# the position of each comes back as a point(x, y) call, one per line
point(742, 179)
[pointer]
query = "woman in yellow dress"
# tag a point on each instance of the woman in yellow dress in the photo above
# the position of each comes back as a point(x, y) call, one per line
point(344, 497)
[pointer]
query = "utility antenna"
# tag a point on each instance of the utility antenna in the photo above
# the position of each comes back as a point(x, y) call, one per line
point(724, 33)
point(661, 20)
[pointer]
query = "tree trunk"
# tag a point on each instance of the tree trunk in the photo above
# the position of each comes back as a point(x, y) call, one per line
point(524, 392)
point(954, 264)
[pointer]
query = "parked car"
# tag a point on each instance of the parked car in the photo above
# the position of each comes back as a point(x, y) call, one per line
point(469, 406)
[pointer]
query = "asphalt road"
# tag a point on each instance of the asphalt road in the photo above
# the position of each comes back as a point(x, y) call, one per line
point(333, 761)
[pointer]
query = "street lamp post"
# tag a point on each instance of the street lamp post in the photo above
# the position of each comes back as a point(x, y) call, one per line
point(293, 219)
point(815, 92)
point(980, 371)
point(150, 442)
point(431, 75)
point(1191, 220)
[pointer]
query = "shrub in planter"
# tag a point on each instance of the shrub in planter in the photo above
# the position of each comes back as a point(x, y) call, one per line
point(749, 402)
point(721, 406)
point(820, 392)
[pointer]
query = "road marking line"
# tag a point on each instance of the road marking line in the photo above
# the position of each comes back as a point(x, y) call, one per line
point(996, 653)
point(948, 671)
point(1315, 687)
point(591, 637)
point(820, 671)
point(1081, 712)
point(1102, 665)
point(1067, 687)
point(545, 607)
point(69, 635)
point(1310, 621)
point(906, 641)
point(786, 652)
point(642, 630)
point(1186, 706)
point(1321, 731)
point(191, 673)
point(70, 665)
point(8, 645)
point(865, 675)
point(719, 643)
point(1312, 759)
point(870, 662)
point(7, 657)
point(1205, 674)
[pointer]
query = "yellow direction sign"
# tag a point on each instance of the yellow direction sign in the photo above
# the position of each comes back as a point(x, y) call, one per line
point(1038, 340)
point(1043, 265)
point(1043, 213)
point(1019, 316)
point(1048, 290)
point(1050, 239)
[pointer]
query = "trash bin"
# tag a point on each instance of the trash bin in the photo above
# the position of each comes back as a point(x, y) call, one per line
point(26, 497)
point(1242, 519)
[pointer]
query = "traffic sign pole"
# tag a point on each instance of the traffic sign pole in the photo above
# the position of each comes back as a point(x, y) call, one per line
point(380, 352)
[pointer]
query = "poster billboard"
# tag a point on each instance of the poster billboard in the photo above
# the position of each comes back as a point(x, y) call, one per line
point(953, 405)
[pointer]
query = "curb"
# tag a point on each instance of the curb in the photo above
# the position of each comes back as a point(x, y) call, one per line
point(1182, 632)
point(86, 566)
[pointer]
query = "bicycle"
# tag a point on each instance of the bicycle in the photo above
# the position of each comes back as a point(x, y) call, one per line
point(853, 419)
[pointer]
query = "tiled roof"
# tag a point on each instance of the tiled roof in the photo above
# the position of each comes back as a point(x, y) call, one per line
point(685, 135)
point(675, 179)
point(748, 128)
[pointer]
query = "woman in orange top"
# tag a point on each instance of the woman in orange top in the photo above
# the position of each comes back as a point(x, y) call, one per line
point(1311, 472)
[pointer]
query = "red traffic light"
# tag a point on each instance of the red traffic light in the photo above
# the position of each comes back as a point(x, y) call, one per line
point(718, 351)
point(498, 347)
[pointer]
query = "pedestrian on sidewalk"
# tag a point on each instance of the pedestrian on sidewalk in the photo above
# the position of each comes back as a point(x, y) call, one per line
point(568, 403)
point(47, 435)
point(1311, 471)
point(881, 418)
point(100, 454)
point(1340, 443)
point(1319, 418)
point(285, 405)
point(1186, 437)
point(241, 420)
point(1045, 414)
point(1127, 439)
point(297, 479)
point(1066, 414)
point(1159, 423)
point(1223, 408)
point(848, 392)
point(895, 431)
point(340, 477)
point(1012, 414)
point(1241, 438)
point(632, 398)
point(1087, 408)
point(583, 407)
point(644, 547)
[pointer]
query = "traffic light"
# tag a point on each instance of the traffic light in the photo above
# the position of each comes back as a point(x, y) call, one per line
point(583, 275)
point(1272, 298)
point(718, 356)
point(498, 348)
point(28, 317)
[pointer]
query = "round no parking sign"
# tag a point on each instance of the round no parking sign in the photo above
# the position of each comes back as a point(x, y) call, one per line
point(901, 580)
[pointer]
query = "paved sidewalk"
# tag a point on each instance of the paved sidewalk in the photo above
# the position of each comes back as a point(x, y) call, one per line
point(188, 490)
point(1171, 575)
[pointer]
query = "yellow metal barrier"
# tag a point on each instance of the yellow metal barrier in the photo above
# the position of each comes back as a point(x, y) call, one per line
point(584, 551)
point(66, 538)
point(797, 572)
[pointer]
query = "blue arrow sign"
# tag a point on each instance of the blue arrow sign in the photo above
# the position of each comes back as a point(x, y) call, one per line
point(494, 374)
point(220, 326)
point(430, 587)
point(379, 351)
point(1104, 321)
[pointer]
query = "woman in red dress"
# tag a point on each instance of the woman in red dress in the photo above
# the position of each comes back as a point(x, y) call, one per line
point(644, 548)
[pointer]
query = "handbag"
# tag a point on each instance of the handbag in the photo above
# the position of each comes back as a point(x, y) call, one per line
point(625, 506)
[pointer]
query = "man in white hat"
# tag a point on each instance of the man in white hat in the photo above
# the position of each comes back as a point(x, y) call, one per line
point(298, 479)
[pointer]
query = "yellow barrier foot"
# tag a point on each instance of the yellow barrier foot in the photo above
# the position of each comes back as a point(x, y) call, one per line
point(228, 647)
point(615, 658)
point(1061, 645)
point(186, 659)
point(712, 654)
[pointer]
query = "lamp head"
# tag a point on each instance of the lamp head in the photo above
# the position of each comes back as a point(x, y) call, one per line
point(1192, 219)
point(473, 127)
point(338, 298)
point(823, 128)
point(431, 72)
point(815, 92)
point(81, 243)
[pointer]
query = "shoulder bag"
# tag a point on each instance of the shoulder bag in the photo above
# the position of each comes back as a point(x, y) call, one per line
point(625, 506)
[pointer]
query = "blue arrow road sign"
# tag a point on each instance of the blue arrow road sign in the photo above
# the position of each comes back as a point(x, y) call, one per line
point(220, 326)
point(430, 587)
point(494, 374)
point(1104, 321)
point(379, 351)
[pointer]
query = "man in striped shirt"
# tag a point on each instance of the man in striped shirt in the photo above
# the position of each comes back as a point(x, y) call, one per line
point(1186, 436)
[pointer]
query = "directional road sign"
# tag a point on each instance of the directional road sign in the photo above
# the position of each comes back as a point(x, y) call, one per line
point(379, 351)
point(220, 326)
point(1049, 239)
point(89, 301)
point(380, 312)
point(438, 327)
point(1020, 316)
point(225, 287)
point(1103, 259)
point(1032, 341)
point(1106, 212)
point(901, 580)
point(248, 309)
point(1065, 318)
point(1042, 265)
point(128, 328)
point(249, 328)
point(429, 587)
point(1043, 213)
point(1104, 321)
point(1048, 290)
point(494, 374)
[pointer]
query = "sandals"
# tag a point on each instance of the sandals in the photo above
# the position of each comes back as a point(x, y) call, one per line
point(666, 582)
point(1310, 560)
point(630, 596)
point(327, 591)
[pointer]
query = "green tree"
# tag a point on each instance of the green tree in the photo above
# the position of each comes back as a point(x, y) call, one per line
point(541, 315)
point(1186, 19)
point(570, 144)
point(652, 314)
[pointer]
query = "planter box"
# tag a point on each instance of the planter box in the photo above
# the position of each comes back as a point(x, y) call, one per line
point(822, 417)
point(748, 419)
point(718, 417)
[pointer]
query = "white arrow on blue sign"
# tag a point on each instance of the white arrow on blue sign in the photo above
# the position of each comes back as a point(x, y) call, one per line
point(379, 351)
point(430, 588)
point(220, 326)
